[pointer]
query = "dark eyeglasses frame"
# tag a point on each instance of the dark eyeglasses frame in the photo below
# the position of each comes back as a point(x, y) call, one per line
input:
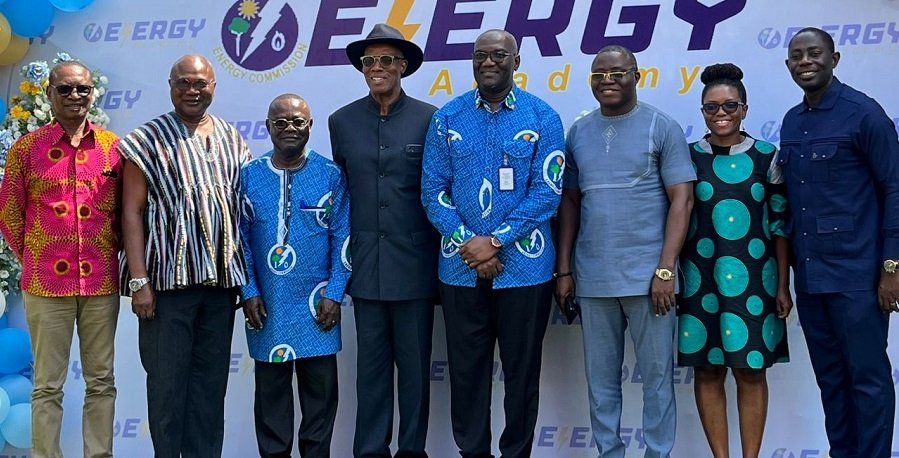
point(497, 57)
point(729, 107)
point(65, 90)
point(297, 123)
point(385, 60)
point(613, 76)
point(184, 84)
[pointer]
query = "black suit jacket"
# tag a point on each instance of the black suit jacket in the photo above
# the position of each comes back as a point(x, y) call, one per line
point(393, 246)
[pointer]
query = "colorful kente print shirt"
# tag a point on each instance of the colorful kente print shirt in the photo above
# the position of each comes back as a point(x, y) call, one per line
point(192, 234)
point(468, 149)
point(295, 226)
point(58, 211)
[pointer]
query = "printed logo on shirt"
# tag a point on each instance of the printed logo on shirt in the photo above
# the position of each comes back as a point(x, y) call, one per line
point(553, 167)
point(453, 136)
point(528, 135)
point(345, 255)
point(282, 353)
point(445, 200)
point(448, 248)
point(322, 210)
point(315, 298)
point(281, 259)
point(259, 40)
point(532, 246)
point(485, 198)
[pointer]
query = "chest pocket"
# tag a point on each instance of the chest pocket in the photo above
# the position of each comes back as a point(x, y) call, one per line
point(822, 163)
point(412, 155)
point(520, 154)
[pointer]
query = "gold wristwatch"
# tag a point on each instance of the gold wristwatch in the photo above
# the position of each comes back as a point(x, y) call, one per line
point(664, 274)
point(889, 266)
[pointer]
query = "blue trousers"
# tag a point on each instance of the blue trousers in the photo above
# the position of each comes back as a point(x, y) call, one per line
point(846, 334)
point(604, 321)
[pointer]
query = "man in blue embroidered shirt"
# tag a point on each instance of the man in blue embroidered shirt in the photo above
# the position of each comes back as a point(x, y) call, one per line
point(491, 181)
point(295, 227)
point(840, 157)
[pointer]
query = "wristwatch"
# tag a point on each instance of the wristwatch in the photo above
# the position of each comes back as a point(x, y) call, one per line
point(495, 242)
point(664, 274)
point(889, 266)
point(135, 284)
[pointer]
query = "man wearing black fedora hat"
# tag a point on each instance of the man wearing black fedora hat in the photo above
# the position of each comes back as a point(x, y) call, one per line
point(378, 141)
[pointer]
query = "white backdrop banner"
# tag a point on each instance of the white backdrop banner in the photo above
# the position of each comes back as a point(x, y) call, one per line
point(262, 48)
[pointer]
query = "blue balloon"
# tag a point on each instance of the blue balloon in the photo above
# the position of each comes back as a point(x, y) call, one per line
point(3, 108)
point(28, 18)
point(71, 5)
point(4, 319)
point(17, 387)
point(17, 427)
point(4, 409)
point(2, 442)
point(15, 350)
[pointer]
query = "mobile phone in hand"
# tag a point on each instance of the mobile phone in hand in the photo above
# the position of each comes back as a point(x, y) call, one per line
point(571, 309)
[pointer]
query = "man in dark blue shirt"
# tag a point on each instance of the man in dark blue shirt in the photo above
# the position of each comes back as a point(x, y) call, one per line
point(840, 156)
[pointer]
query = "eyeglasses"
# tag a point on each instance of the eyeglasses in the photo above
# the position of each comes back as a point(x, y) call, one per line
point(729, 107)
point(598, 77)
point(497, 57)
point(65, 90)
point(385, 61)
point(297, 123)
point(185, 84)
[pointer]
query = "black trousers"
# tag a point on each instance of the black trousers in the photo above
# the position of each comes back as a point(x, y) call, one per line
point(186, 351)
point(317, 390)
point(388, 333)
point(476, 319)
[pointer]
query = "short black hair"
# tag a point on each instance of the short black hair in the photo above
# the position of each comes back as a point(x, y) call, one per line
point(54, 72)
point(620, 50)
point(723, 75)
point(824, 36)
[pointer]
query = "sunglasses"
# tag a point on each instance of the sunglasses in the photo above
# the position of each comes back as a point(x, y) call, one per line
point(729, 107)
point(297, 123)
point(65, 90)
point(598, 77)
point(385, 61)
point(497, 57)
point(185, 84)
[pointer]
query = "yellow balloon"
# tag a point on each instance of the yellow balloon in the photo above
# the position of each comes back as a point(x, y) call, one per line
point(5, 33)
point(15, 51)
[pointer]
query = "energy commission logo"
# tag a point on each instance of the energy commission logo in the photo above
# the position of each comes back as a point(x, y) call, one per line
point(260, 40)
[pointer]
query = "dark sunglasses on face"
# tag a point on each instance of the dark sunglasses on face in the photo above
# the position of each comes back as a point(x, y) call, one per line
point(729, 107)
point(298, 123)
point(497, 57)
point(385, 61)
point(614, 76)
point(65, 90)
point(185, 84)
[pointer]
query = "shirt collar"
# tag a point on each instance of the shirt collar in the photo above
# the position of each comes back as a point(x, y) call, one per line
point(509, 103)
point(395, 107)
point(830, 97)
point(57, 133)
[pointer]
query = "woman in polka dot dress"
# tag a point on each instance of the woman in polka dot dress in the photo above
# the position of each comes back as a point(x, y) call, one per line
point(735, 263)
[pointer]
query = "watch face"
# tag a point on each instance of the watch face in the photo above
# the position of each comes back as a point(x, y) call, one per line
point(890, 265)
point(664, 274)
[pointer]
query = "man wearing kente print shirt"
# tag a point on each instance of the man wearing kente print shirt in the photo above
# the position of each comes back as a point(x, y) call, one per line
point(492, 178)
point(58, 212)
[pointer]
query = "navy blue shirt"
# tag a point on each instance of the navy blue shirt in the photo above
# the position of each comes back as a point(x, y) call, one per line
point(841, 164)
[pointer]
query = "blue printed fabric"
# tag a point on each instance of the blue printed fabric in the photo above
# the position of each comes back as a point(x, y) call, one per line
point(295, 231)
point(466, 146)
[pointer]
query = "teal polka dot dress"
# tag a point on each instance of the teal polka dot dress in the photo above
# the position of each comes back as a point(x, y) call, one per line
point(727, 312)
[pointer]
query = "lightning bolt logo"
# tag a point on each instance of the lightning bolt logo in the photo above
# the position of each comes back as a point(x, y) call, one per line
point(268, 17)
point(398, 15)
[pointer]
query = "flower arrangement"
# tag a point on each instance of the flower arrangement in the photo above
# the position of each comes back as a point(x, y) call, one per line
point(28, 111)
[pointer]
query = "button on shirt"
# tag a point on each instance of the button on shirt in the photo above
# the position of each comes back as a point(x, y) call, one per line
point(467, 144)
point(58, 207)
point(841, 164)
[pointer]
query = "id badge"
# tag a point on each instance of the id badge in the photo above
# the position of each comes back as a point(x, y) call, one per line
point(506, 178)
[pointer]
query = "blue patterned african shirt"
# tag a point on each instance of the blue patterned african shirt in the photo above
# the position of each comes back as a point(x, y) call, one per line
point(295, 230)
point(466, 146)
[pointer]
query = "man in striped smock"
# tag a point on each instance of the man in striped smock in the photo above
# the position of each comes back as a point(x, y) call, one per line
point(183, 261)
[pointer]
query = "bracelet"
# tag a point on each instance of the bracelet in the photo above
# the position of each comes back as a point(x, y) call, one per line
point(560, 275)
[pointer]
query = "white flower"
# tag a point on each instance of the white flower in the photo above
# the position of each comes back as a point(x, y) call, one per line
point(4, 274)
point(104, 80)
point(45, 107)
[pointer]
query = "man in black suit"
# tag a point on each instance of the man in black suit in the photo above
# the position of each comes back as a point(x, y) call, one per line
point(378, 140)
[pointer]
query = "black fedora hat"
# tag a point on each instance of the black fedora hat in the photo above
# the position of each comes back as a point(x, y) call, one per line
point(383, 33)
